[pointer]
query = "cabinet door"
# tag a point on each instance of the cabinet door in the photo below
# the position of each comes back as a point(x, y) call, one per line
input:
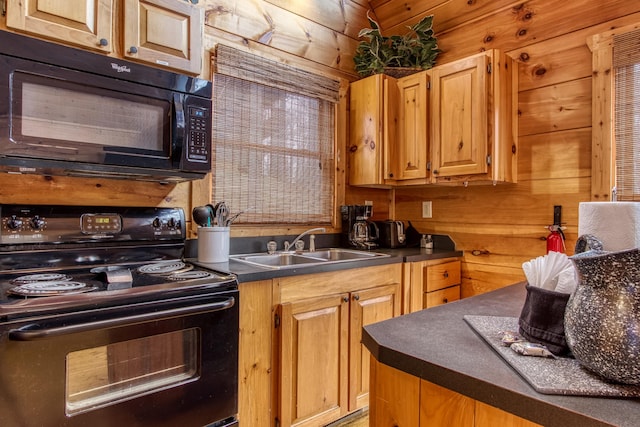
point(441, 407)
point(412, 143)
point(85, 23)
point(164, 32)
point(367, 307)
point(313, 360)
point(489, 416)
point(459, 117)
point(372, 123)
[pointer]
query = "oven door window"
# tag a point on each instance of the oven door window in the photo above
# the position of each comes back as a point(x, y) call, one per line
point(68, 119)
point(105, 375)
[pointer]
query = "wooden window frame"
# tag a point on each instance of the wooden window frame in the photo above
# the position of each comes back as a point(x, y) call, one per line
point(603, 157)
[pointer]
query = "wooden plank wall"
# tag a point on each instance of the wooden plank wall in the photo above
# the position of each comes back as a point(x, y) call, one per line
point(497, 227)
point(500, 227)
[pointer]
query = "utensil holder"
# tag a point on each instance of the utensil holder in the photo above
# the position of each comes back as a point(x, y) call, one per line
point(213, 244)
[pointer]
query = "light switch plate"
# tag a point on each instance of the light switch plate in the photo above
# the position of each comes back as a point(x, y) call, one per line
point(426, 209)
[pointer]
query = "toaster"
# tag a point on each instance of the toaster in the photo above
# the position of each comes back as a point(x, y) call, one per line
point(391, 234)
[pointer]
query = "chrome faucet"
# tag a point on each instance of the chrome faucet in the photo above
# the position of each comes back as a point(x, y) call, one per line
point(288, 245)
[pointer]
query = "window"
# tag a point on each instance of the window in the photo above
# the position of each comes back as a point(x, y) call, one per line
point(616, 115)
point(273, 141)
point(626, 66)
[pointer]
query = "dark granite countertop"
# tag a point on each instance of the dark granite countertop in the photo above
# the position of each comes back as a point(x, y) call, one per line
point(438, 346)
point(249, 273)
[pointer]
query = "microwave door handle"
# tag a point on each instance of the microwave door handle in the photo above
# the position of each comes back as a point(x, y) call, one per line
point(32, 332)
point(180, 120)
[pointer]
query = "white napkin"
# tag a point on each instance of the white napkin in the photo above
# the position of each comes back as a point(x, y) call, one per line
point(553, 272)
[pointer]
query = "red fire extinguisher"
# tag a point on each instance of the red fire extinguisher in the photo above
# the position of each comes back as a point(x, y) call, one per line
point(555, 240)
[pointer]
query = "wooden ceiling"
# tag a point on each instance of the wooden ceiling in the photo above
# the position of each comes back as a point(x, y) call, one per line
point(394, 15)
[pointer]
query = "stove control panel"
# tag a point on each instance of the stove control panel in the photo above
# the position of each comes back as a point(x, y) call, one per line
point(101, 223)
point(74, 224)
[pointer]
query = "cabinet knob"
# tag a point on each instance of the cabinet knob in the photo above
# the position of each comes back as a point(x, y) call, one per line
point(435, 172)
point(104, 42)
point(345, 299)
point(445, 300)
point(133, 49)
point(356, 297)
point(445, 274)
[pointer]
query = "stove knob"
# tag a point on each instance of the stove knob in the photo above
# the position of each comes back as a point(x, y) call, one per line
point(171, 223)
point(14, 223)
point(37, 223)
point(157, 223)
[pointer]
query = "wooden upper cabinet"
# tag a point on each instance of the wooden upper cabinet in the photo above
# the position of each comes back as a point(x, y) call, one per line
point(84, 23)
point(412, 144)
point(164, 32)
point(473, 124)
point(373, 125)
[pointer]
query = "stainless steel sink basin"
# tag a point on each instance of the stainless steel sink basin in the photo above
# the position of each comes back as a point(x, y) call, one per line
point(296, 260)
point(338, 254)
point(279, 260)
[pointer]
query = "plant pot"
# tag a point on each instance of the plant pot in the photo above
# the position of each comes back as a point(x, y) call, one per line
point(398, 72)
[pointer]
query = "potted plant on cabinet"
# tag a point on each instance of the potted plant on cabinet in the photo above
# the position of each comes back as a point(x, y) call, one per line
point(396, 55)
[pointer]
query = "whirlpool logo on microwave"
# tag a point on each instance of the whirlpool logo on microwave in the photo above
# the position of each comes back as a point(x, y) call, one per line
point(120, 68)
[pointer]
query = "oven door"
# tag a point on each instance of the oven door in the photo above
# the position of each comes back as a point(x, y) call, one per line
point(165, 363)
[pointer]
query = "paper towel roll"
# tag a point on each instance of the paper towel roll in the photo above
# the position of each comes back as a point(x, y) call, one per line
point(616, 224)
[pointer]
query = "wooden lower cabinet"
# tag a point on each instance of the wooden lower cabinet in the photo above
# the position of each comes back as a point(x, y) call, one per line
point(255, 367)
point(403, 400)
point(323, 368)
point(431, 283)
point(314, 360)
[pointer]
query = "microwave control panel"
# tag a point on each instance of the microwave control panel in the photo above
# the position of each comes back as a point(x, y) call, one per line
point(198, 140)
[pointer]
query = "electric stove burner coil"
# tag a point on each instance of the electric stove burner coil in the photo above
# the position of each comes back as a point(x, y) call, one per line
point(44, 277)
point(50, 288)
point(166, 267)
point(189, 275)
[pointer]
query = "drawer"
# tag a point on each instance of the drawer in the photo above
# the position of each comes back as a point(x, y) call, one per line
point(441, 276)
point(443, 296)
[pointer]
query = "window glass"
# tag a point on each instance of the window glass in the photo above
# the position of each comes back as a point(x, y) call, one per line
point(273, 153)
point(105, 375)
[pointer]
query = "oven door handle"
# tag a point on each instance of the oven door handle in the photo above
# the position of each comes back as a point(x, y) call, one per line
point(33, 332)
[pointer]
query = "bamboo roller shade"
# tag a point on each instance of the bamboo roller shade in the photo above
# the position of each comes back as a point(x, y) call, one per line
point(626, 62)
point(273, 141)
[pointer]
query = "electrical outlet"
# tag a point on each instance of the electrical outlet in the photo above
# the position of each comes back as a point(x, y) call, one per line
point(368, 203)
point(426, 209)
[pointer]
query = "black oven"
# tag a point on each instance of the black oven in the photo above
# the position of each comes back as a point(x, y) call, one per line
point(103, 324)
point(72, 112)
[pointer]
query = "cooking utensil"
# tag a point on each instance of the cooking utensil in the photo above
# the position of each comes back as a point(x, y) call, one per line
point(235, 216)
point(203, 215)
point(222, 213)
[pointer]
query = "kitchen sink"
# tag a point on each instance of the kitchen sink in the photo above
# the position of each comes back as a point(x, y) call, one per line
point(337, 254)
point(282, 260)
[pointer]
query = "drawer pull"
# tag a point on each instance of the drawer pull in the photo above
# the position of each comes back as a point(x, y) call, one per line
point(445, 300)
point(445, 274)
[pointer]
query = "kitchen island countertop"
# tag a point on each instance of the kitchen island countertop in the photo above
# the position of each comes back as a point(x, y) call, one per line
point(438, 346)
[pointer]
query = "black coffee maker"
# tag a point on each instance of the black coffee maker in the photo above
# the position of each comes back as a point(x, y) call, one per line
point(357, 230)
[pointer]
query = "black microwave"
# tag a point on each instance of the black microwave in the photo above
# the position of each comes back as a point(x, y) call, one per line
point(65, 111)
